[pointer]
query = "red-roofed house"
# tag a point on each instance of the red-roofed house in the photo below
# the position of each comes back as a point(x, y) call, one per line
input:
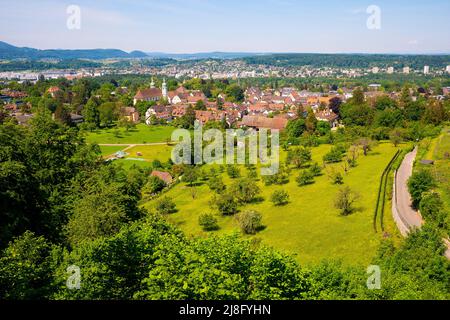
point(164, 176)
point(328, 116)
point(53, 91)
point(130, 114)
point(260, 122)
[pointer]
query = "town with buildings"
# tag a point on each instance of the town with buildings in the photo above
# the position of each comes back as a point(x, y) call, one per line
point(222, 69)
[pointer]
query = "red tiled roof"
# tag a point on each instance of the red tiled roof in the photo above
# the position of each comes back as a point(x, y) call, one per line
point(164, 176)
point(148, 94)
point(260, 122)
point(326, 115)
point(53, 89)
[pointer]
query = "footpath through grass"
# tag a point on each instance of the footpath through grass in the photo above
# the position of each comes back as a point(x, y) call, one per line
point(309, 227)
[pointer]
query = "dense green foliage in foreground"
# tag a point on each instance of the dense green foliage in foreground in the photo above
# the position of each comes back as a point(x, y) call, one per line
point(152, 260)
point(62, 206)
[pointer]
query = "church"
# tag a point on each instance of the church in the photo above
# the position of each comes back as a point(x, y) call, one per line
point(151, 94)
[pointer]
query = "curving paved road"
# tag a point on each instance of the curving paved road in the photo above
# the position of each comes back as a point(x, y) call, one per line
point(408, 217)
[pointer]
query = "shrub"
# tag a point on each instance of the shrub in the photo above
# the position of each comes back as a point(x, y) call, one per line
point(226, 204)
point(190, 175)
point(165, 206)
point(280, 197)
point(154, 185)
point(335, 155)
point(418, 183)
point(431, 207)
point(315, 170)
point(208, 222)
point(233, 172)
point(281, 177)
point(216, 184)
point(396, 137)
point(156, 164)
point(305, 178)
point(252, 173)
point(245, 190)
point(250, 221)
point(338, 178)
point(299, 156)
point(345, 199)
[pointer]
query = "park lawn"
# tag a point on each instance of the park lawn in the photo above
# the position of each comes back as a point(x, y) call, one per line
point(150, 153)
point(309, 227)
point(110, 150)
point(128, 164)
point(142, 134)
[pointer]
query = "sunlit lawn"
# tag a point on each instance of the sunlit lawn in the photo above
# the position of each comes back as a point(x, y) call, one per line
point(140, 135)
point(150, 153)
point(108, 150)
point(309, 226)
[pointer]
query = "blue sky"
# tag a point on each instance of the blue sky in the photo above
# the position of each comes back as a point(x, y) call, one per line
point(407, 26)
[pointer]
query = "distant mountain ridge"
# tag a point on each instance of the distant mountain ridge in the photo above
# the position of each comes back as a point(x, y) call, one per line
point(203, 55)
point(8, 51)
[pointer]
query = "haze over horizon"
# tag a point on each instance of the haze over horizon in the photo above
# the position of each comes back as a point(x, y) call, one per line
point(197, 26)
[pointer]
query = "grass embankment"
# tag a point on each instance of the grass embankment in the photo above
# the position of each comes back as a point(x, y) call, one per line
point(439, 151)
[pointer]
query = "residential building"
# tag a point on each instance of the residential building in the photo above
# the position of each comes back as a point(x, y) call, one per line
point(130, 113)
point(328, 116)
point(164, 176)
point(261, 122)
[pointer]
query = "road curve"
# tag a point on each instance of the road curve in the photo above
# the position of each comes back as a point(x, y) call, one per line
point(405, 216)
point(409, 216)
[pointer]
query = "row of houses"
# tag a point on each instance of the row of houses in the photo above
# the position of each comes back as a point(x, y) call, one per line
point(261, 108)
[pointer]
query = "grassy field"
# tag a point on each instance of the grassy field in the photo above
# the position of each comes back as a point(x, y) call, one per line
point(107, 151)
point(140, 135)
point(309, 227)
point(150, 153)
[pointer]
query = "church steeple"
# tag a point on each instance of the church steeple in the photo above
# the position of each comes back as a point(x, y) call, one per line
point(164, 88)
point(152, 84)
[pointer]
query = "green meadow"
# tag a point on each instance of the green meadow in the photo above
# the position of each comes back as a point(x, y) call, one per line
point(110, 150)
point(141, 156)
point(142, 134)
point(150, 153)
point(309, 227)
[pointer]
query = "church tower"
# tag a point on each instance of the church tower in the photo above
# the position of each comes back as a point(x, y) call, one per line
point(152, 84)
point(164, 89)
